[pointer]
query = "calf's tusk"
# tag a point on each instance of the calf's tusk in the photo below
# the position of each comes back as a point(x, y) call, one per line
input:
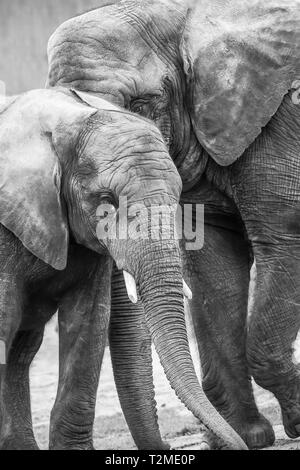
point(130, 287)
point(187, 291)
point(132, 291)
point(2, 353)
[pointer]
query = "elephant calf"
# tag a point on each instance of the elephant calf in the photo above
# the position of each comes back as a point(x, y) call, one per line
point(61, 161)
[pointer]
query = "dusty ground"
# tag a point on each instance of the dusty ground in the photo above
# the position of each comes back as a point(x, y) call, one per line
point(178, 426)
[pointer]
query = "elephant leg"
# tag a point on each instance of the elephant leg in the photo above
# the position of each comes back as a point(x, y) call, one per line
point(18, 433)
point(274, 324)
point(10, 318)
point(83, 329)
point(219, 276)
point(130, 346)
point(267, 191)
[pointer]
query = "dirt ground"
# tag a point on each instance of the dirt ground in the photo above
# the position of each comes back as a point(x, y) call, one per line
point(178, 426)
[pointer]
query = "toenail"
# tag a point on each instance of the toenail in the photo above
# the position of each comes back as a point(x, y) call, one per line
point(204, 446)
point(297, 427)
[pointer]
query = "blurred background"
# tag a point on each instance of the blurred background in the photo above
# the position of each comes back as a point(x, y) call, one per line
point(25, 27)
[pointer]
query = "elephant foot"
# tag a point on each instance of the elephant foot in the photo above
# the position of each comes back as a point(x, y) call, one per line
point(69, 446)
point(256, 433)
point(76, 442)
point(292, 427)
point(15, 435)
point(63, 444)
point(77, 447)
point(291, 416)
point(71, 431)
point(288, 396)
point(241, 412)
point(14, 442)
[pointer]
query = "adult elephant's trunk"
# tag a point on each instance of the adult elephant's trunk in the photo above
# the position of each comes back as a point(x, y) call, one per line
point(159, 282)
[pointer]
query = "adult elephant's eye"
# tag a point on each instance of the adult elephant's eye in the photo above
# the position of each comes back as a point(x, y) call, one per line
point(140, 107)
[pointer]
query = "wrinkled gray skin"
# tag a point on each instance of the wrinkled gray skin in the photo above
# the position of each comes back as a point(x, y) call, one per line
point(211, 75)
point(61, 157)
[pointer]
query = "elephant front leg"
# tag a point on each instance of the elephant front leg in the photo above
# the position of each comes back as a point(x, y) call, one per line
point(219, 276)
point(83, 329)
point(273, 328)
point(18, 349)
point(267, 191)
point(17, 432)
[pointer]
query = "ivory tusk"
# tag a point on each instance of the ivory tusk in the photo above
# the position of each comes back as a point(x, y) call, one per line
point(187, 291)
point(2, 353)
point(130, 287)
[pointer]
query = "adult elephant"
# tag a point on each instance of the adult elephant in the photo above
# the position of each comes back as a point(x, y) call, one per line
point(65, 164)
point(215, 78)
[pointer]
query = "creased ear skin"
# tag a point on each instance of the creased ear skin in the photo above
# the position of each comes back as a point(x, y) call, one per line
point(30, 203)
point(241, 58)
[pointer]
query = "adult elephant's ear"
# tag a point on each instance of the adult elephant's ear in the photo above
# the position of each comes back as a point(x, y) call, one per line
point(30, 171)
point(241, 58)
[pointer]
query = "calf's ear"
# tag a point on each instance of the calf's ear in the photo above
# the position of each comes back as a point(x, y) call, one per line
point(30, 170)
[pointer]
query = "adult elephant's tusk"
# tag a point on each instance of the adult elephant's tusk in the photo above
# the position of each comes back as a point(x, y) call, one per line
point(187, 291)
point(130, 287)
